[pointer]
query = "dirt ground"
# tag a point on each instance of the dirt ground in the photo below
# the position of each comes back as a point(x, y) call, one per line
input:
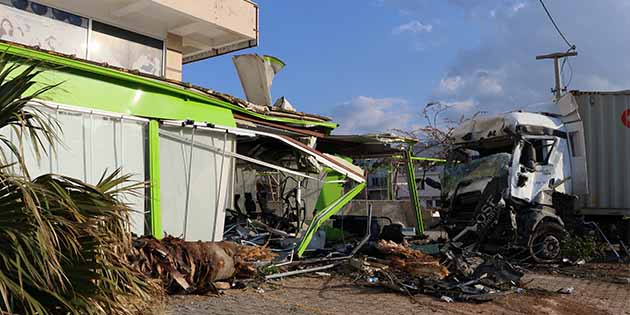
point(598, 289)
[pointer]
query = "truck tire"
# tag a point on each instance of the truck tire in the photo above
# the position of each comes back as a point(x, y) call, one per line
point(546, 241)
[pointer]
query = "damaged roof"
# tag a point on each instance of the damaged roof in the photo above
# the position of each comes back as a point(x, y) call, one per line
point(496, 126)
point(265, 113)
point(364, 146)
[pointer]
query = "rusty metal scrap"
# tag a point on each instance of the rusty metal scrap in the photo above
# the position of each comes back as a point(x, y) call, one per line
point(193, 267)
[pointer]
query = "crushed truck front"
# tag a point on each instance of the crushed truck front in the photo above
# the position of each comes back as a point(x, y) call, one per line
point(500, 180)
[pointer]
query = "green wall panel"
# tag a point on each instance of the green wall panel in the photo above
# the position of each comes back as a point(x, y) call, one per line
point(92, 86)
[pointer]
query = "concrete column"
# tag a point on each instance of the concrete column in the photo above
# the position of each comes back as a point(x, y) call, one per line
point(174, 49)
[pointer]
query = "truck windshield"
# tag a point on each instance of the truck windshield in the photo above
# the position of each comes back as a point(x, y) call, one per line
point(489, 166)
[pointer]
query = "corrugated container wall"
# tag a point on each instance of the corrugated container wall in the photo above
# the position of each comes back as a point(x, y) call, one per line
point(606, 118)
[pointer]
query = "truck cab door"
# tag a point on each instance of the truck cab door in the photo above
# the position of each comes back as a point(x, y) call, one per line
point(537, 167)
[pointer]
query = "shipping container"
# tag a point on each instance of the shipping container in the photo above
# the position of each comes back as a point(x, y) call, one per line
point(605, 118)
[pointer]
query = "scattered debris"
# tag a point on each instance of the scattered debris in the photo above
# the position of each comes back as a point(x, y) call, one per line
point(298, 272)
point(567, 290)
point(446, 299)
point(220, 285)
point(454, 273)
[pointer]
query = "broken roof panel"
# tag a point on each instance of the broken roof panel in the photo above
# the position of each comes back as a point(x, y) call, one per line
point(364, 146)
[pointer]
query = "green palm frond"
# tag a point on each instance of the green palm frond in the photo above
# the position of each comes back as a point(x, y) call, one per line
point(17, 80)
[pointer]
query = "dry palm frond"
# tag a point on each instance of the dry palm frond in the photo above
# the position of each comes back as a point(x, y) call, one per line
point(193, 267)
point(412, 262)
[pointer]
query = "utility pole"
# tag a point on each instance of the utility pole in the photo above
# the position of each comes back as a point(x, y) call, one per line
point(556, 62)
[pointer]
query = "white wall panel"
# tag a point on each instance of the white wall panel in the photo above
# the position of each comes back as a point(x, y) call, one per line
point(90, 145)
point(209, 187)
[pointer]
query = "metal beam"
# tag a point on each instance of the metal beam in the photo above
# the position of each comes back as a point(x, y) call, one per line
point(428, 159)
point(325, 214)
point(413, 191)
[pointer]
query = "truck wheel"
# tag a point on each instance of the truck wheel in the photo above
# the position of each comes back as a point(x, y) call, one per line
point(545, 243)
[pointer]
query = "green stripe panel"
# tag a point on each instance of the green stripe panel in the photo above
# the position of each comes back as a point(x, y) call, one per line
point(330, 191)
point(154, 179)
point(92, 86)
point(133, 99)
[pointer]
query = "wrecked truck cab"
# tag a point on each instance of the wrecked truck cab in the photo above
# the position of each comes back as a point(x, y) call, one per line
point(463, 184)
point(500, 180)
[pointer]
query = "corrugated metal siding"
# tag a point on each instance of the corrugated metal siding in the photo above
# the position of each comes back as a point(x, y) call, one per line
point(607, 142)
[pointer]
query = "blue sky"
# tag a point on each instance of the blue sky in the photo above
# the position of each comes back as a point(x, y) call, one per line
point(373, 64)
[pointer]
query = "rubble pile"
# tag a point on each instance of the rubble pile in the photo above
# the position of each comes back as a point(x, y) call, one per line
point(453, 274)
point(444, 270)
point(194, 267)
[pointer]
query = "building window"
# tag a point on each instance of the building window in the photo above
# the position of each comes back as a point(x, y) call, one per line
point(33, 24)
point(126, 49)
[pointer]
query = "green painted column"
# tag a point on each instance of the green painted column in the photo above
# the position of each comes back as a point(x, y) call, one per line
point(154, 178)
point(413, 191)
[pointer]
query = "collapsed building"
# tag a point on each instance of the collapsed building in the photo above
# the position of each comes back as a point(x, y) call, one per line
point(204, 154)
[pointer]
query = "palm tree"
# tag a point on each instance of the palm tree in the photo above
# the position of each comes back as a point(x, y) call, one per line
point(63, 243)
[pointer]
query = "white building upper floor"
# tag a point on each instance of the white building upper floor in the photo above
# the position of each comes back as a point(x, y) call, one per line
point(151, 36)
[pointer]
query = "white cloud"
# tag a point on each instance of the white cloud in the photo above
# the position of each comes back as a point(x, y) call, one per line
point(490, 86)
point(518, 6)
point(480, 82)
point(364, 114)
point(414, 26)
point(498, 71)
point(462, 106)
point(450, 85)
point(501, 73)
point(599, 83)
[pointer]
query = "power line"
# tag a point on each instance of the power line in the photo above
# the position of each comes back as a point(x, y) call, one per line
point(571, 47)
point(566, 61)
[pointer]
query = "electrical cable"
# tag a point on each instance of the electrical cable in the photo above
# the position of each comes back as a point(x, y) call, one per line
point(570, 71)
point(571, 46)
point(566, 61)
